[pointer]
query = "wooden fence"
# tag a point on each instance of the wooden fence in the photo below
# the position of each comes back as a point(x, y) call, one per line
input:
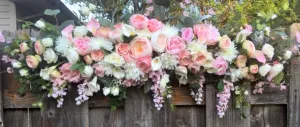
point(274, 108)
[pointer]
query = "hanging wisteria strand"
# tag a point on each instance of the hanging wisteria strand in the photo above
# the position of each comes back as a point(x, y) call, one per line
point(157, 87)
point(223, 98)
point(199, 94)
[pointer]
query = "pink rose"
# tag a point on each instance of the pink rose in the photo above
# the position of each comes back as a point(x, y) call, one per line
point(102, 32)
point(98, 70)
point(260, 56)
point(154, 25)
point(122, 48)
point(207, 33)
point(221, 65)
point(144, 63)
point(116, 35)
point(128, 58)
point(159, 42)
point(139, 21)
point(140, 47)
point(39, 48)
point(67, 31)
point(68, 74)
point(185, 58)
point(24, 47)
point(187, 34)
point(199, 58)
point(175, 45)
point(225, 42)
point(250, 47)
point(93, 25)
point(97, 55)
point(82, 45)
point(88, 59)
point(254, 68)
point(32, 61)
point(241, 61)
point(194, 68)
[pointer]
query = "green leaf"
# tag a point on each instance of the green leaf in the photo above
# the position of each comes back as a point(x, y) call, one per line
point(204, 17)
point(165, 3)
point(220, 86)
point(76, 66)
point(7, 49)
point(147, 86)
point(22, 89)
point(188, 21)
point(159, 12)
point(105, 22)
point(278, 78)
point(50, 12)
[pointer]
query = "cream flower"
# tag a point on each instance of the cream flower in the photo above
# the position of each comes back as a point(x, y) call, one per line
point(80, 31)
point(164, 80)
point(47, 42)
point(72, 55)
point(229, 54)
point(115, 59)
point(118, 72)
point(40, 24)
point(195, 47)
point(93, 87)
point(287, 55)
point(50, 56)
point(106, 91)
point(16, 64)
point(87, 71)
point(45, 73)
point(24, 72)
point(132, 71)
point(85, 11)
point(115, 91)
point(264, 69)
point(276, 69)
point(268, 50)
point(169, 30)
point(128, 30)
point(169, 61)
point(62, 44)
point(156, 64)
point(98, 43)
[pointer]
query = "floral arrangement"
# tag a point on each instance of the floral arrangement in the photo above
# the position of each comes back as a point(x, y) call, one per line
point(147, 52)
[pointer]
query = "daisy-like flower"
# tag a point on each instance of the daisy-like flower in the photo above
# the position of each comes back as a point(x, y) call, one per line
point(98, 43)
point(169, 61)
point(195, 47)
point(229, 54)
point(62, 43)
point(133, 72)
point(169, 30)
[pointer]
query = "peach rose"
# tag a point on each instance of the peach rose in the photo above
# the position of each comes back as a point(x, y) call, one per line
point(185, 58)
point(140, 47)
point(82, 45)
point(187, 34)
point(144, 63)
point(159, 42)
point(139, 21)
point(97, 55)
point(39, 48)
point(225, 43)
point(207, 33)
point(241, 61)
point(32, 61)
point(102, 32)
point(199, 58)
point(254, 68)
point(122, 48)
point(175, 45)
point(88, 59)
point(154, 25)
point(250, 47)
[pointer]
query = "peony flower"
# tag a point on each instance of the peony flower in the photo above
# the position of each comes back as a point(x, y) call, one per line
point(72, 55)
point(185, 58)
point(156, 64)
point(221, 65)
point(93, 25)
point(298, 36)
point(187, 34)
point(140, 47)
point(92, 7)
point(275, 70)
point(122, 48)
point(241, 61)
point(87, 71)
point(80, 31)
point(268, 50)
point(102, 32)
point(264, 69)
point(128, 30)
point(259, 55)
point(164, 80)
point(85, 11)
point(32, 61)
point(254, 68)
point(138, 21)
point(106, 91)
point(50, 56)
point(181, 71)
point(82, 45)
point(287, 55)
point(175, 45)
point(115, 59)
point(16, 64)
point(40, 24)
point(39, 48)
point(225, 43)
point(24, 72)
point(144, 63)
point(24, 47)
point(115, 91)
point(250, 48)
point(47, 42)
point(67, 31)
point(206, 33)
point(118, 72)
point(159, 42)
point(88, 59)
point(97, 55)
point(154, 25)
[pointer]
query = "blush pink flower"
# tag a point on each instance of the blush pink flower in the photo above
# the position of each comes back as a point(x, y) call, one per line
point(129, 82)
point(98, 70)
point(298, 36)
point(67, 31)
point(249, 28)
point(93, 25)
point(241, 61)
point(39, 48)
point(199, 58)
point(187, 34)
point(175, 45)
point(97, 55)
point(2, 39)
point(68, 74)
point(139, 21)
point(116, 35)
point(260, 56)
point(253, 68)
point(185, 58)
point(88, 59)
point(102, 32)
point(250, 47)
point(140, 47)
point(221, 65)
point(154, 25)
point(225, 43)
point(118, 26)
point(159, 42)
point(144, 63)
point(82, 45)
point(207, 33)
point(122, 48)
point(32, 61)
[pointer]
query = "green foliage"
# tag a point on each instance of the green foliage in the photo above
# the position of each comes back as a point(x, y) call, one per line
point(220, 86)
point(278, 78)
point(50, 12)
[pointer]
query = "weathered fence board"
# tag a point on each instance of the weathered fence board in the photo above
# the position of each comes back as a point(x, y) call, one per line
point(105, 117)
point(268, 116)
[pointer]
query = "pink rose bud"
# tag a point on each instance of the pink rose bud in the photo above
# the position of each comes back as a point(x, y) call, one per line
point(32, 61)
point(187, 34)
point(39, 48)
point(254, 68)
point(24, 47)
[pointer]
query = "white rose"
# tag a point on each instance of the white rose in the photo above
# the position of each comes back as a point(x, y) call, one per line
point(93, 87)
point(85, 11)
point(80, 31)
point(45, 73)
point(128, 30)
point(115, 91)
point(276, 69)
point(24, 72)
point(106, 91)
point(264, 69)
point(164, 80)
point(268, 50)
point(115, 59)
point(87, 71)
point(181, 71)
point(40, 24)
point(50, 56)
point(92, 7)
point(72, 55)
point(287, 55)
point(16, 64)
point(156, 64)
point(118, 72)
point(47, 42)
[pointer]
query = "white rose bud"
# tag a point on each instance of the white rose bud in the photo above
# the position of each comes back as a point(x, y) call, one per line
point(263, 70)
point(85, 11)
point(16, 64)
point(47, 42)
point(268, 50)
point(80, 31)
point(92, 7)
point(106, 91)
point(24, 72)
point(276, 69)
point(115, 91)
point(88, 71)
point(46, 72)
point(72, 55)
point(156, 64)
point(40, 24)
point(50, 56)
point(287, 55)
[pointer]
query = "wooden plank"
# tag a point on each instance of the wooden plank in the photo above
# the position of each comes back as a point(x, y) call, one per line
point(270, 96)
point(70, 115)
point(13, 100)
point(268, 116)
point(16, 118)
point(36, 118)
point(105, 117)
point(182, 96)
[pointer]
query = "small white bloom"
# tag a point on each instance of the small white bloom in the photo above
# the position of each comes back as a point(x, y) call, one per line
point(274, 16)
point(276, 69)
point(183, 80)
point(115, 91)
point(268, 50)
point(40, 24)
point(50, 56)
point(93, 87)
point(62, 44)
point(72, 55)
point(235, 74)
point(118, 72)
point(87, 71)
point(80, 31)
point(158, 41)
point(287, 55)
point(133, 72)
point(128, 30)
point(246, 92)
point(115, 59)
point(92, 7)
point(16, 64)
point(85, 11)
point(144, 33)
point(229, 54)
point(47, 42)
point(164, 80)
point(242, 35)
point(168, 61)
point(264, 69)
point(106, 91)
point(156, 64)
point(24, 72)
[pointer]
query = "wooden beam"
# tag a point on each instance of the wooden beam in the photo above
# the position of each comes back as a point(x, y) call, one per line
point(270, 96)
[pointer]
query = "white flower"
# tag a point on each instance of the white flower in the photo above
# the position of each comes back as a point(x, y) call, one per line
point(164, 80)
point(242, 35)
point(274, 16)
point(85, 11)
point(168, 61)
point(133, 72)
point(115, 91)
point(183, 80)
point(50, 56)
point(181, 71)
point(72, 55)
point(47, 42)
point(229, 54)
point(287, 54)
point(144, 33)
point(128, 30)
point(80, 31)
point(24, 72)
point(16, 64)
point(40, 24)
point(169, 30)
point(62, 44)
point(45, 73)
point(98, 43)
point(92, 7)
point(115, 59)
point(264, 69)
point(93, 87)
point(118, 72)
point(235, 74)
point(87, 71)
point(276, 69)
point(106, 91)
point(195, 47)
point(268, 30)
point(246, 92)
point(268, 50)
point(156, 64)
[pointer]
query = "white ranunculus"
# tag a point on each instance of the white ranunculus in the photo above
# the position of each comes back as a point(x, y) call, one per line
point(16, 64)
point(47, 42)
point(164, 80)
point(85, 11)
point(50, 56)
point(80, 31)
point(45, 73)
point(118, 72)
point(115, 59)
point(87, 71)
point(181, 71)
point(72, 55)
point(93, 87)
point(156, 64)
point(264, 69)
point(24, 72)
point(115, 91)
point(92, 7)
point(128, 30)
point(268, 50)
point(287, 55)
point(106, 91)
point(276, 69)
point(40, 24)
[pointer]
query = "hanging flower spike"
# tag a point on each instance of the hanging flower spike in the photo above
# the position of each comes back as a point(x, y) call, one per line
point(223, 98)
